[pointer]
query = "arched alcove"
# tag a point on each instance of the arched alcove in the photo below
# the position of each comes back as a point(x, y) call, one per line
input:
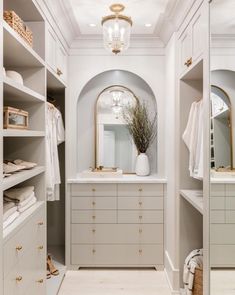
point(86, 112)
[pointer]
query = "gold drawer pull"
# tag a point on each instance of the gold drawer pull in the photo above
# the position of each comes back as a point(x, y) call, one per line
point(93, 189)
point(93, 231)
point(93, 217)
point(140, 217)
point(40, 248)
point(59, 72)
point(140, 251)
point(19, 279)
point(19, 248)
point(93, 251)
point(40, 281)
point(140, 203)
point(140, 231)
point(188, 62)
point(40, 223)
point(140, 189)
point(93, 203)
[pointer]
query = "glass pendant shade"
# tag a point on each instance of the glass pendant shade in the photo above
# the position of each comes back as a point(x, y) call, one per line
point(116, 30)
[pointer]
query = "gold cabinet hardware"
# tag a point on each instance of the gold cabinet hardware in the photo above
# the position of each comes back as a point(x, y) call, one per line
point(93, 203)
point(140, 203)
point(93, 217)
point(93, 189)
point(188, 62)
point(140, 231)
point(40, 281)
point(19, 278)
point(40, 223)
point(140, 189)
point(140, 217)
point(93, 231)
point(59, 72)
point(19, 248)
point(40, 248)
point(140, 251)
point(93, 251)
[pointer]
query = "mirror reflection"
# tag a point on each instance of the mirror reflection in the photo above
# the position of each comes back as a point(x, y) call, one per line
point(114, 145)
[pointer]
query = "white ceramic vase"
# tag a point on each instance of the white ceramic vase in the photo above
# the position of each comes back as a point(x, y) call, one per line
point(142, 165)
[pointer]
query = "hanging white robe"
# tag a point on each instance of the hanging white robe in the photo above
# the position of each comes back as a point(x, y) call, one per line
point(54, 136)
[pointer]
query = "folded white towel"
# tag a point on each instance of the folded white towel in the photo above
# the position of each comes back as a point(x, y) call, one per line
point(31, 203)
point(10, 219)
point(25, 202)
point(19, 194)
point(7, 205)
point(9, 212)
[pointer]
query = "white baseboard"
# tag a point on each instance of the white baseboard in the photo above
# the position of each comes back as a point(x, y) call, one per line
point(172, 275)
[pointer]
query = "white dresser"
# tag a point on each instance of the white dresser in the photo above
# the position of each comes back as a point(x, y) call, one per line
point(24, 253)
point(116, 224)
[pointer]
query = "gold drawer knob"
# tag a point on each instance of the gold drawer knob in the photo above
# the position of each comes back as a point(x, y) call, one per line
point(40, 281)
point(93, 203)
point(93, 231)
point(140, 203)
point(40, 248)
point(140, 231)
point(59, 72)
point(93, 251)
point(40, 223)
point(93, 217)
point(140, 251)
point(140, 189)
point(140, 217)
point(19, 248)
point(19, 279)
point(93, 189)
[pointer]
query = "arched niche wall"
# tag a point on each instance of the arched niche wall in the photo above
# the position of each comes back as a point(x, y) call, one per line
point(86, 109)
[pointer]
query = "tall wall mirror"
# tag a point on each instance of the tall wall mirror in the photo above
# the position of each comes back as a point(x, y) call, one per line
point(222, 179)
point(114, 145)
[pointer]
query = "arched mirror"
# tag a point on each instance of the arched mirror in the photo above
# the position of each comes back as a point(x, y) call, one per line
point(221, 133)
point(114, 145)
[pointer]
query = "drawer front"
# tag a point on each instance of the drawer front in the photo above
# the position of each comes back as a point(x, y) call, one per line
point(144, 190)
point(141, 216)
point(117, 234)
point(29, 236)
point(222, 255)
point(217, 216)
point(90, 203)
point(221, 234)
point(137, 203)
point(127, 255)
point(94, 216)
point(98, 190)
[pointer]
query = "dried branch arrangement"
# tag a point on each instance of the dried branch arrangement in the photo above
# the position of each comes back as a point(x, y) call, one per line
point(141, 126)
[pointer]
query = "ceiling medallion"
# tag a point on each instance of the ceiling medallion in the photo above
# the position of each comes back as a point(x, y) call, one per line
point(116, 29)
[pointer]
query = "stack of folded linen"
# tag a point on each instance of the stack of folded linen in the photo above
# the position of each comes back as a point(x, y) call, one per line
point(10, 213)
point(23, 197)
point(11, 167)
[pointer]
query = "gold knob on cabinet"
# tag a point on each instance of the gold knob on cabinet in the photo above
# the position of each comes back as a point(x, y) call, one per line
point(93, 189)
point(93, 251)
point(140, 251)
point(140, 203)
point(140, 189)
point(19, 248)
point(93, 231)
point(40, 281)
point(93, 203)
point(40, 247)
point(40, 223)
point(93, 217)
point(59, 72)
point(140, 231)
point(189, 62)
point(19, 278)
point(140, 217)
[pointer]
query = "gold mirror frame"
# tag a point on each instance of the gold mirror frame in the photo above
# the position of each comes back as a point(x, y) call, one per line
point(95, 116)
point(230, 122)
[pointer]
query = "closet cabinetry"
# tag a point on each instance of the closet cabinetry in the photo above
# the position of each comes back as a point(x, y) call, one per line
point(56, 56)
point(117, 224)
point(192, 41)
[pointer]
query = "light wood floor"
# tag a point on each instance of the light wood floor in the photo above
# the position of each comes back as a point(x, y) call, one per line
point(115, 282)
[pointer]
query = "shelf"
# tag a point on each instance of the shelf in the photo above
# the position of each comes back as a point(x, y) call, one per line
point(194, 197)
point(54, 283)
point(16, 92)
point(22, 133)
point(195, 72)
point(12, 228)
point(21, 176)
point(17, 53)
point(222, 115)
point(54, 82)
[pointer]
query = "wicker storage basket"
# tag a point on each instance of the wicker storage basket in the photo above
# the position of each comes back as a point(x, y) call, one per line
point(18, 25)
point(198, 282)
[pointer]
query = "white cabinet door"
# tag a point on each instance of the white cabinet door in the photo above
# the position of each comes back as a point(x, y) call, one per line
point(61, 61)
point(185, 49)
point(198, 36)
point(51, 49)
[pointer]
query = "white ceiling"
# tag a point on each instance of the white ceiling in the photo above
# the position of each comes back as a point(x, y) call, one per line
point(223, 17)
point(86, 12)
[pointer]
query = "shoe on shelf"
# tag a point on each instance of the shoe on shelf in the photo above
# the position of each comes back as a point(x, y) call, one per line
point(10, 168)
point(25, 164)
point(53, 270)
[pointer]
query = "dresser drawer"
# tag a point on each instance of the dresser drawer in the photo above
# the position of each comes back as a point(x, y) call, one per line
point(117, 234)
point(91, 203)
point(123, 255)
point(141, 216)
point(29, 236)
point(144, 190)
point(94, 216)
point(137, 203)
point(98, 190)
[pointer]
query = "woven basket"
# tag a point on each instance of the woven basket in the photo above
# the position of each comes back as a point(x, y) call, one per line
point(198, 282)
point(18, 25)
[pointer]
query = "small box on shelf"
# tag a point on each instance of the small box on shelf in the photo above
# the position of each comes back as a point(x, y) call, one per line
point(15, 118)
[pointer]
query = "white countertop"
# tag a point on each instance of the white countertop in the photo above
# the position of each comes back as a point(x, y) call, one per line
point(221, 180)
point(126, 178)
